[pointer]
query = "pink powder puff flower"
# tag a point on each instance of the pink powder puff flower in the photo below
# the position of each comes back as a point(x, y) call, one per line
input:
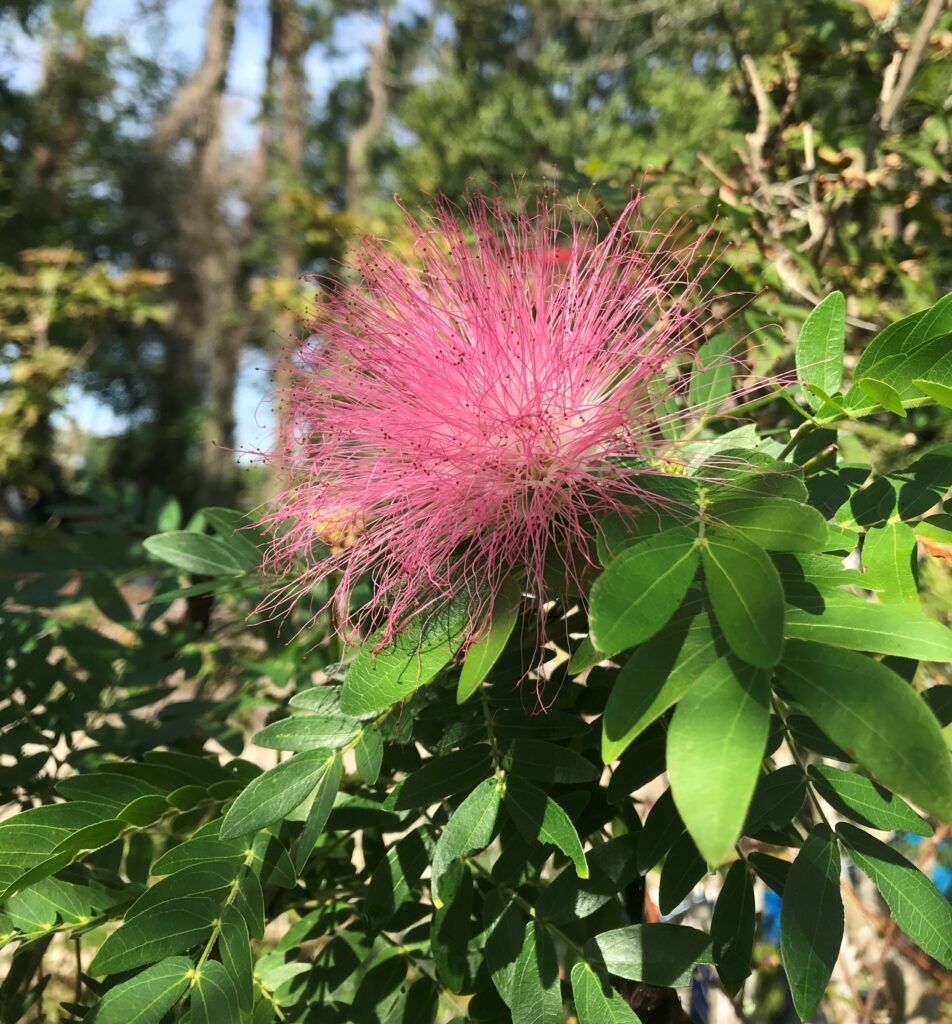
point(468, 417)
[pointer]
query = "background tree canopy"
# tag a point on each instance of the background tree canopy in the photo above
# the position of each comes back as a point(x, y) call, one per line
point(181, 187)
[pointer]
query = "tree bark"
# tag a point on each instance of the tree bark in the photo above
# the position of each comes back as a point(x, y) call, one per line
point(358, 181)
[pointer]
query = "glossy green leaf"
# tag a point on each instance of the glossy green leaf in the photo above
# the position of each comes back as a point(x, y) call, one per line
point(214, 997)
point(319, 812)
point(306, 732)
point(484, 652)
point(877, 717)
point(733, 926)
point(716, 743)
point(210, 880)
point(171, 928)
point(146, 998)
point(276, 793)
point(920, 910)
point(640, 591)
point(200, 554)
point(234, 947)
point(852, 622)
point(864, 801)
point(469, 828)
point(811, 920)
point(596, 1002)
point(889, 557)
point(819, 352)
point(377, 679)
point(775, 524)
point(535, 989)
point(656, 676)
point(659, 954)
point(746, 596)
point(539, 817)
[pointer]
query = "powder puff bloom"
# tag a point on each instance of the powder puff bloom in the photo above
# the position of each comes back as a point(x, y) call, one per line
point(467, 416)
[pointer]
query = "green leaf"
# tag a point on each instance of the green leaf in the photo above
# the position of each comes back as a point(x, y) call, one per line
point(146, 998)
point(548, 762)
point(711, 381)
point(662, 828)
point(535, 990)
point(470, 827)
point(214, 997)
point(659, 954)
point(612, 866)
point(683, 868)
point(200, 554)
point(449, 931)
point(716, 743)
point(746, 596)
point(777, 800)
point(732, 928)
point(889, 556)
point(320, 810)
point(506, 929)
point(378, 679)
point(877, 717)
point(234, 947)
point(862, 800)
point(171, 928)
point(483, 652)
point(306, 732)
point(368, 755)
point(938, 390)
point(596, 1002)
point(440, 777)
point(395, 876)
point(273, 795)
point(920, 910)
point(775, 524)
point(538, 816)
point(819, 353)
point(212, 880)
point(883, 394)
point(640, 591)
point(811, 920)
point(771, 870)
point(249, 902)
point(656, 676)
point(852, 622)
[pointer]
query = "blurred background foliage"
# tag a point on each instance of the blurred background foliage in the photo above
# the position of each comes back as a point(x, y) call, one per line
point(152, 248)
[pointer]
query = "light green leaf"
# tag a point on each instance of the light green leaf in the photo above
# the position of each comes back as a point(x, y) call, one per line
point(847, 621)
point(656, 676)
point(470, 827)
point(640, 591)
point(535, 989)
point(819, 353)
point(306, 732)
point(920, 910)
point(746, 596)
point(711, 380)
point(877, 717)
point(596, 1002)
point(659, 954)
point(716, 743)
point(775, 524)
point(320, 810)
point(173, 927)
point(483, 652)
point(538, 816)
point(883, 394)
point(861, 799)
point(214, 997)
point(273, 795)
point(811, 920)
point(368, 754)
point(146, 998)
point(200, 554)
point(378, 679)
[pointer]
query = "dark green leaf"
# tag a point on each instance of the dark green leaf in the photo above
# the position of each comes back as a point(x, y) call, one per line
point(449, 932)
point(320, 810)
point(659, 954)
point(368, 754)
point(640, 591)
point(536, 996)
point(214, 997)
point(235, 950)
point(877, 717)
point(662, 828)
point(746, 596)
point(716, 743)
point(920, 910)
point(596, 1002)
point(862, 800)
point(538, 816)
point(441, 777)
point(146, 998)
point(683, 868)
point(811, 920)
point(548, 762)
point(711, 380)
point(772, 870)
point(733, 926)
